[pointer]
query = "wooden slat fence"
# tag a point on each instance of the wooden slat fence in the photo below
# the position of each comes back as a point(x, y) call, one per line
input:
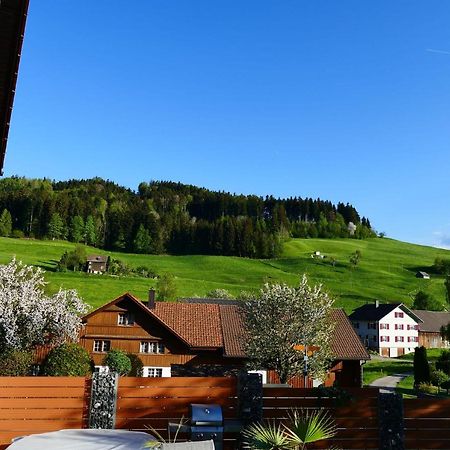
point(356, 417)
point(427, 423)
point(31, 405)
point(145, 403)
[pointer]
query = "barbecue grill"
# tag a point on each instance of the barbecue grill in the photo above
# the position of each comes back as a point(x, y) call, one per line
point(206, 422)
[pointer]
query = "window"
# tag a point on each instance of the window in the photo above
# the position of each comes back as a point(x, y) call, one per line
point(374, 338)
point(384, 326)
point(399, 326)
point(356, 325)
point(384, 338)
point(413, 339)
point(152, 347)
point(372, 325)
point(125, 319)
point(398, 315)
point(154, 372)
point(399, 339)
point(102, 346)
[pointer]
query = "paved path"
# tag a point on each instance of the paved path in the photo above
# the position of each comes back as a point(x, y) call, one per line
point(388, 384)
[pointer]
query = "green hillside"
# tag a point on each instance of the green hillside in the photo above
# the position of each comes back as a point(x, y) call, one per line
point(386, 271)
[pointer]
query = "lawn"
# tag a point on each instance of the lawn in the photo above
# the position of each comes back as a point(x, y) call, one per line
point(386, 271)
point(375, 368)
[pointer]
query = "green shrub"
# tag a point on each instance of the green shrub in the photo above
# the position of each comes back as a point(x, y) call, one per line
point(421, 367)
point(16, 363)
point(18, 234)
point(446, 385)
point(137, 366)
point(438, 377)
point(118, 361)
point(68, 360)
point(443, 362)
point(219, 293)
point(427, 388)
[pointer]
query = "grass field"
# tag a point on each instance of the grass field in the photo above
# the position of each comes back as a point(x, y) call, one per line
point(386, 271)
point(375, 369)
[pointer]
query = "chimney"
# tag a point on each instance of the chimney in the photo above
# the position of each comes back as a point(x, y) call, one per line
point(151, 299)
point(377, 303)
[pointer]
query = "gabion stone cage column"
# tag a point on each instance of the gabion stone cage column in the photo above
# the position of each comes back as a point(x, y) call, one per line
point(250, 397)
point(390, 421)
point(102, 409)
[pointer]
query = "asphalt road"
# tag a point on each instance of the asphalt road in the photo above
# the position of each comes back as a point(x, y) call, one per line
point(388, 384)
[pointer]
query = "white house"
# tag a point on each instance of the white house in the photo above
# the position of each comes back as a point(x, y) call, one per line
point(390, 329)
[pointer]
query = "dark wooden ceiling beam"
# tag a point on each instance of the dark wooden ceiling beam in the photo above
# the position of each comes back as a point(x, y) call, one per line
point(13, 16)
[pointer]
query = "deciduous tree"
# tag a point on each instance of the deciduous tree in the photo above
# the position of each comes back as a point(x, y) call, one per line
point(28, 316)
point(282, 318)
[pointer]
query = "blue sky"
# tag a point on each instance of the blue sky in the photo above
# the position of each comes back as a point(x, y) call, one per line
point(343, 100)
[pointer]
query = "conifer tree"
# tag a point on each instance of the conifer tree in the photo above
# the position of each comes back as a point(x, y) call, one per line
point(90, 231)
point(142, 241)
point(5, 223)
point(77, 229)
point(56, 227)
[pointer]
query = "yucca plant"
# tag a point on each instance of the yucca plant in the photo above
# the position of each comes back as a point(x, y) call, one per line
point(304, 427)
point(308, 426)
point(266, 437)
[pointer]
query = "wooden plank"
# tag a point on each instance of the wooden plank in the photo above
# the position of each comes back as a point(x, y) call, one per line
point(314, 402)
point(313, 393)
point(168, 403)
point(183, 392)
point(427, 423)
point(441, 434)
point(39, 403)
point(37, 426)
point(348, 413)
point(41, 413)
point(177, 382)
point(209, 395)
point(43, 381)
point(42, 392)
point(426, 444)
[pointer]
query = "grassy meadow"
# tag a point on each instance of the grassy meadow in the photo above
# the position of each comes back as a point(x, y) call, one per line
point(385, 272)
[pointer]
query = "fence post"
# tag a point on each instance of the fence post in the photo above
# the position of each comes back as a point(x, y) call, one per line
point(102, 408)
point(250, 397)
point(390, 421)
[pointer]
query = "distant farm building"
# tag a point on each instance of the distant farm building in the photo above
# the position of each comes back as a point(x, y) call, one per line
point(97, 263)
point(430, 329)
point(317, 255)
point(422, 275)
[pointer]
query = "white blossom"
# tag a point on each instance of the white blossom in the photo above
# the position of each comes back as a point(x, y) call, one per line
point(29, 317)
point(281, 319)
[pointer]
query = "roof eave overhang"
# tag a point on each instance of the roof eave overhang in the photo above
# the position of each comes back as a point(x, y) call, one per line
point(16, 42)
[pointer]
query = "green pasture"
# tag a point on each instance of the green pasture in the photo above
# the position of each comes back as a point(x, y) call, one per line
point(386, 271)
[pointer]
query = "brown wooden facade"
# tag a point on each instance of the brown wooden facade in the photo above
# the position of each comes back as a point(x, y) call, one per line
point(104, 326)
point(432, 340)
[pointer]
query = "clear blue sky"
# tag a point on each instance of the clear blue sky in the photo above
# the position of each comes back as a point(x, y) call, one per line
point(344, 100)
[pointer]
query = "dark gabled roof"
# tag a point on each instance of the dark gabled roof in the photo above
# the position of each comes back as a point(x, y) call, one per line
point(373, 313)
point(432, 320)
point(13, 15)
point(97, 258)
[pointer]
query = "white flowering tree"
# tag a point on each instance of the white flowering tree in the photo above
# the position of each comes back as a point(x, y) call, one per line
point(29, 317)
point(282, 323)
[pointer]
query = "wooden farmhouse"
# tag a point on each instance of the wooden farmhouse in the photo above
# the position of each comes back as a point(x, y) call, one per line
point(97, 263)
point(430, 328)
point(197, 338)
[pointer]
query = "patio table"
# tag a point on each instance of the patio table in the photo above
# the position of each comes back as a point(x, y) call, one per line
point(83, 440)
